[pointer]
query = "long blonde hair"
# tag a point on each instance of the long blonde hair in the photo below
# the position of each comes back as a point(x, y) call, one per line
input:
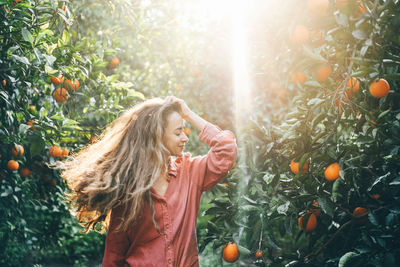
point(121, 167)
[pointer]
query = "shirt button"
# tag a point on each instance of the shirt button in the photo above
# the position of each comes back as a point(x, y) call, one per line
point(169, 261)
point(169, 246)
point(165, 204)
point(167, 226)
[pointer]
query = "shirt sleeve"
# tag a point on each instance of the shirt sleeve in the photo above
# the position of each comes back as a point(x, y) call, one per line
point(219, 159)
point(117, 242)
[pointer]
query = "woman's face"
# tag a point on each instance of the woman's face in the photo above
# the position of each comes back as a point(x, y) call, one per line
point(175, 138)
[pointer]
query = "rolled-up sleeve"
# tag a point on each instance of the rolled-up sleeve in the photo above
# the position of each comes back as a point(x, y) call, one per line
point(219, 159)
point(117, 242)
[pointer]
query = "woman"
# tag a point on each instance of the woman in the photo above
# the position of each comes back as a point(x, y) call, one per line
point(151, 201)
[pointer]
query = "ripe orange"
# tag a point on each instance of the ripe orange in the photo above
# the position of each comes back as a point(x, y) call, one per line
point(362, 7)
point(55, 151)
point(376, 196)
point(258, 254)
point(353, 84)
point(61, 95)
point(316, 211)
point(31, 123)
point(311, 223)
point(71, 85)
point(4, 83)
point(57, 80)
point(187, 131)
point(379, 88)
point(324, 72)
point(25, 172)
point(224, 184)
point(114, 62)
point(332, 171)
point(230, 252)
point(64, 153)
point(299, 35)
point(299, 77)
point(63, 7)
point(12, 165)
point(317, 8)
point(360, 212)
point(294, 166)
point(17, 150)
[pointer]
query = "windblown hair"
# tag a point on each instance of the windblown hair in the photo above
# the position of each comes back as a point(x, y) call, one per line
point(121, 167)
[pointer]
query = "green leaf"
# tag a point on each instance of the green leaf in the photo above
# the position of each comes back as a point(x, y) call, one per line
point(326, 206)
point(37, 145)
point(383, 113)
point(27, 35)
point(282, 209)
point(243, 251)
point(349, 259)
point(21, 59)
point(315, 101)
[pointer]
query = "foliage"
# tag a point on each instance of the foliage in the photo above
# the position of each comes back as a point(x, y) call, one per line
point(317, 122)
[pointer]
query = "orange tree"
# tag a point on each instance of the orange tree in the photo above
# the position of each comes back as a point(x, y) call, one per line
point(327, 103)
point(66, 70)
point(56, 94)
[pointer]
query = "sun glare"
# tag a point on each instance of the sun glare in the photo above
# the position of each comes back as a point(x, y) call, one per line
point(241, 81)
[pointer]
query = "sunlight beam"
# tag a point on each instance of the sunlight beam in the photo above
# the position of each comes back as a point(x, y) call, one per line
point(241, 81)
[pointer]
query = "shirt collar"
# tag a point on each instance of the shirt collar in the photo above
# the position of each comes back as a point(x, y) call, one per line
point(172, 171)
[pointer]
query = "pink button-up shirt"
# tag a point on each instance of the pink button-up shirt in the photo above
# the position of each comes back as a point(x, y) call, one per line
point(175, 212)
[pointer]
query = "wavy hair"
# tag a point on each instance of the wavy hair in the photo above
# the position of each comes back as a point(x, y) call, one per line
point(121, 167)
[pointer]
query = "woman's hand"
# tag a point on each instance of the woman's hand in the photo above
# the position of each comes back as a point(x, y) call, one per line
point(185, 110)
point(187, 114)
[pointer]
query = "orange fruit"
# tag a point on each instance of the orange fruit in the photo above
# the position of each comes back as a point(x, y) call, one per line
point(64, 153)
point(71, 85)
point(311, 223)
point(32, 108)
point(17, 150)
point(12, 165)
point(299, 77)
point(4, 83)
point(324, 72)
point(57, 80)
point(114, 62)
point(316, 211)
point(379, 88)
point(353, 84)
point(332, 171)
point(317, 8)
point(294, 166)
point(55, 151)
point(31, 123)
point(360, 212)
point(299, 35)
point(376, 196)
point(258, 254)
point(61, 95)
point(25, 172)
point(63, 8)
point(362, 7)
point(187, 131)
point(230, 252)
